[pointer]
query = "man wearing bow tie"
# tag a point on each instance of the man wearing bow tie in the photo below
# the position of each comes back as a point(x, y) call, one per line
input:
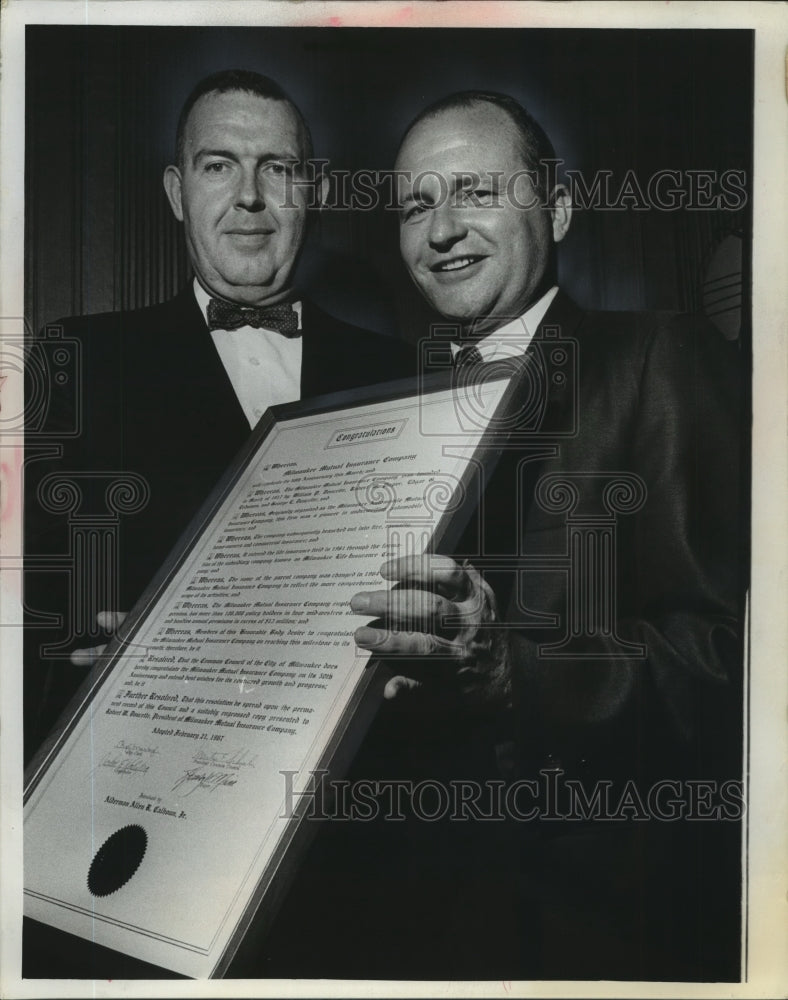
point(171, 392)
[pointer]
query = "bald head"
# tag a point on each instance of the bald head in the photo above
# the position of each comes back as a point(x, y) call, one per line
point(475, 234)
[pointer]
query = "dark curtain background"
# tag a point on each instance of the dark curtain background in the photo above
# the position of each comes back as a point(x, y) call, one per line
point(103, 102)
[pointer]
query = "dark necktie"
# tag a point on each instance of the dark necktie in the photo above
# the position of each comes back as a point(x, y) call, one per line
point(227, 316)
point(468, 357)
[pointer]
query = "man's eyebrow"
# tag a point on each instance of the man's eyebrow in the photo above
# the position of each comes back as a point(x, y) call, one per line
point(224, 153)
point(415, 195)
point(464, 179)
point(228, 154)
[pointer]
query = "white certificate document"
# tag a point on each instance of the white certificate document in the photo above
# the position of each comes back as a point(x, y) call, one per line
point(157, 821)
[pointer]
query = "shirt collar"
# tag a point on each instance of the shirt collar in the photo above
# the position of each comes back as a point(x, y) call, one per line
point(203, 298)
point(513, 339)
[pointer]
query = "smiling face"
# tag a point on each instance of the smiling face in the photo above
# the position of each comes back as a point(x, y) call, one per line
point(244, 219)
point(473, 232)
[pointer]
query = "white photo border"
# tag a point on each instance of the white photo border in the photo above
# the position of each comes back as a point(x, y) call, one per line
point(767, 842)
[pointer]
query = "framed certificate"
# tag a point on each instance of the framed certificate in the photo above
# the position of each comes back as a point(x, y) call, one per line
point(182, 772)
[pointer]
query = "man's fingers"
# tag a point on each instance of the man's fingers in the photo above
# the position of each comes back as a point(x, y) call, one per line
point(111, 621)
point(383, 642)
point(420, 609)
point(438, 573)
point(86, 657)
point(399, 686)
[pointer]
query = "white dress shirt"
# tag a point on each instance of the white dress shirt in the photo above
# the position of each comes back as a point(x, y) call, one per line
point(512, 340)
point(264, 367)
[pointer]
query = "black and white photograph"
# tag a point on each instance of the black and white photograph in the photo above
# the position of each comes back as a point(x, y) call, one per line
point(393, 457)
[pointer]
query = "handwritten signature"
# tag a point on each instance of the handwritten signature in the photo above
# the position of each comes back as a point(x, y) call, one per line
point(134, 748)
point(231, 759)
point(203, 779)
point(124, 765)
point(128, 758)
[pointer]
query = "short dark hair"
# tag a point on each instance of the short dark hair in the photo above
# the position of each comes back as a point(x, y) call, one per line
point(246, 81)
point(535, 144)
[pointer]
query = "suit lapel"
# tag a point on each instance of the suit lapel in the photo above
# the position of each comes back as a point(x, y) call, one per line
point(556, 366)
point(193, 377)
point(545, 404)
point(313, 356)
point(321, 370)
point(554, 353)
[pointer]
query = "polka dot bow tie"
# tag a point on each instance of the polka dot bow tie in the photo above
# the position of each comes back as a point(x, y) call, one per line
point(227, 316)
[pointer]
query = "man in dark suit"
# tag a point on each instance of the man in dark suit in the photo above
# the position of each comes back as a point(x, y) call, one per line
point(171, 392)
point(597, 660)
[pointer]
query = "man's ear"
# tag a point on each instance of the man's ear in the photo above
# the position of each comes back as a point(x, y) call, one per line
point(321, 189)
point(561, 211)
point(172, 186)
